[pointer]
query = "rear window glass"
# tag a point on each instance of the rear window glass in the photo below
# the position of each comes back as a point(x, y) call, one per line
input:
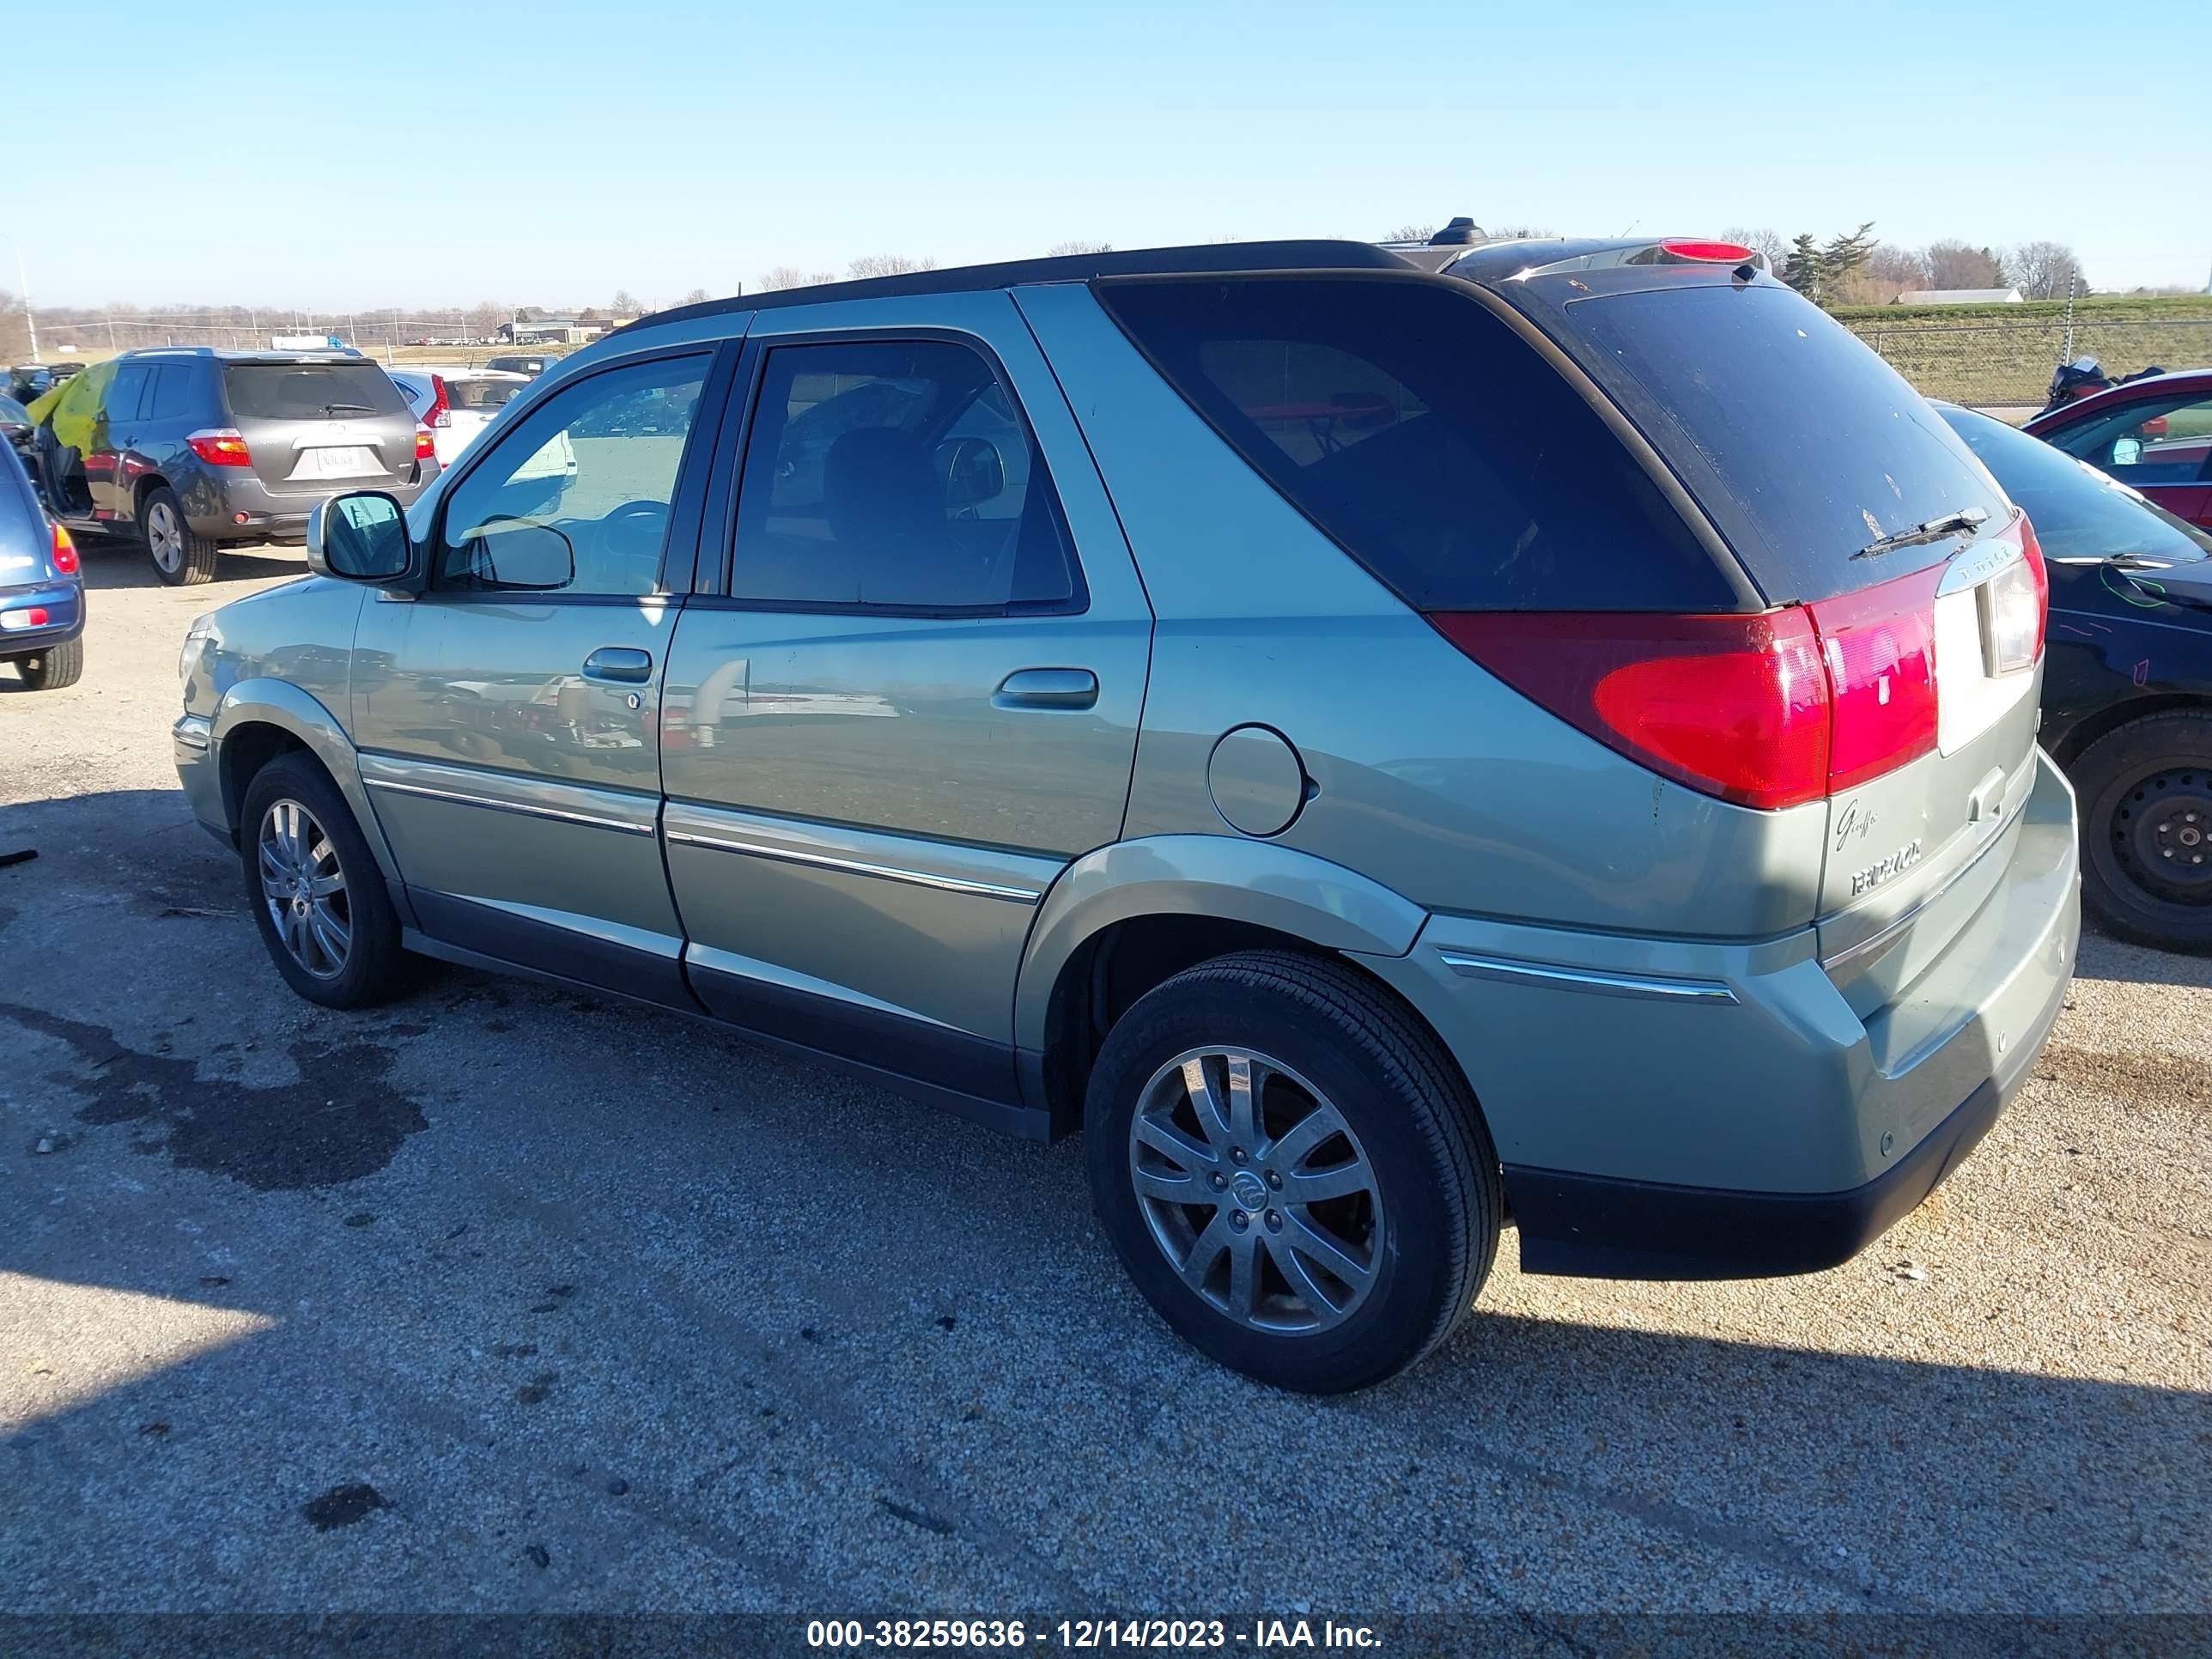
point(2078, 513)
point(1424, 436)
point(1802, 443)
point(480, 394)
point(309, 391)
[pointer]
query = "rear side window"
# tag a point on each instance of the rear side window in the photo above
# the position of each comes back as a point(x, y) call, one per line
point(1802, 443)
point(171, 397)
point(1428, 440)
point(309, 391)
point(896, 474)
point(128, 391)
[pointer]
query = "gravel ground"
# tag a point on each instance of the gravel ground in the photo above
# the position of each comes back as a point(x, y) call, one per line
point(505, 1299)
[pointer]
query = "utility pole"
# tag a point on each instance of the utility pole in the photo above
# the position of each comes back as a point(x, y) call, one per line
point(30, 316)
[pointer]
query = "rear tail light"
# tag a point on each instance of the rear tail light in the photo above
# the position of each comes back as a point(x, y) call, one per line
point(441, 411)
point(64, 552)
point(1768, 711)
point(426, 446)
point(220, 446)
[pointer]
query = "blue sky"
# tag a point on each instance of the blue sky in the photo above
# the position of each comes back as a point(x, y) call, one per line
point(552, 153)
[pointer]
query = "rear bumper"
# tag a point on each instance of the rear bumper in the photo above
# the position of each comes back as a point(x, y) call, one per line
point(1599, 1227)
point(239, 507)
point(1687, 1110)
point(62, 602)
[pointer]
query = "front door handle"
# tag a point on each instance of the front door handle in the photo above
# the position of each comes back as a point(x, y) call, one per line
point(622, 664)
point(1048, 688)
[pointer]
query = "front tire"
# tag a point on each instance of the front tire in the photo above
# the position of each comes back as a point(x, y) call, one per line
point(314, 888)
point(180, 558)
point(2145, 799)
point(56, 666)
point(1292, 1170)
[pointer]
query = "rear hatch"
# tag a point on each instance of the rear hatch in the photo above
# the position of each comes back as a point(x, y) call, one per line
point(472, 400)
point(313, 427)
point(1916, 588)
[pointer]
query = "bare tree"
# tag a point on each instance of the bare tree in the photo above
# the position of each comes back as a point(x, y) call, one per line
point(1954, 264)
point(1515, 232)
point(2044, 271)
point(1411, 233)
point(784, 276)
point(697, 296)
point(1891, 272)
point(625, 303)
point(484, 318)
point(887, 264)
point(15, 329)
point(1078, 246)
point(1770, 243)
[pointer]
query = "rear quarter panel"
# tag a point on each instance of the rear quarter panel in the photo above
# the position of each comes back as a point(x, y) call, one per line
point(1426, 774)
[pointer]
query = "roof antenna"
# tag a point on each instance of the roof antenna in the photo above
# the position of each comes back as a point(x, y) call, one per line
point(1459, 233)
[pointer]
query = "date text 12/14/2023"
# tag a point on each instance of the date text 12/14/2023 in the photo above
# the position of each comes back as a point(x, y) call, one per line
point(1009, 1635)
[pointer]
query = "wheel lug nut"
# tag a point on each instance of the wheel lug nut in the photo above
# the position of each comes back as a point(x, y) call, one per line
point(1235, 1154)
point(1239, 1220)
point(1275, 1179)
point(1274, 1221)
point(1218, 1180)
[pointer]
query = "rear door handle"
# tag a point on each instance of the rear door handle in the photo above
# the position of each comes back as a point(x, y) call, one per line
point(1048, 688)
point(625, 665)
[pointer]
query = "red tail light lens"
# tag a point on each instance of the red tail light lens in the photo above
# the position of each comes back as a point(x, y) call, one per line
point(441, 412)
point(1735, 707)
point(220, 446)
point(426, 446)
point(1880, 646)
point(64, 552)
point(1769, 711)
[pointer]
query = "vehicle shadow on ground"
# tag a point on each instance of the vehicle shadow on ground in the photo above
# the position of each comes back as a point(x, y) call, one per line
point(2103, 957)
point(116, 563)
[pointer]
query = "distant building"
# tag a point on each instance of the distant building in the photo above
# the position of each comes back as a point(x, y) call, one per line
point(1959, 296)
point(551, 331)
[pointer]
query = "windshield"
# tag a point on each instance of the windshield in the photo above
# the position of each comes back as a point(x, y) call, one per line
point(13, 412)
point(309, 391)
point(1809, 446)
point(2078, 513)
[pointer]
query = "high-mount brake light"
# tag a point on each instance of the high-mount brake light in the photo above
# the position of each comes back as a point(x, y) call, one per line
point(1716, 253)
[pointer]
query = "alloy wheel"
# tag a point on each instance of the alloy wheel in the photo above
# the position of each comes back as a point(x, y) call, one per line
point(165, 537)
point(1256, 1190)
point(305, 889)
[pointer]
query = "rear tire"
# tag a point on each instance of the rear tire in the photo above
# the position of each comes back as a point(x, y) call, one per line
point(2145, 794)
point(56, 666)
point(315, 890)
point(1406, 1199)
point(180, 558)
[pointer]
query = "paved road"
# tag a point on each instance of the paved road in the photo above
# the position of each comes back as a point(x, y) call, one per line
point(503, 1299)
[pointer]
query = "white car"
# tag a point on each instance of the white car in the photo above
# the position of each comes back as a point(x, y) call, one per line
point(455, 404)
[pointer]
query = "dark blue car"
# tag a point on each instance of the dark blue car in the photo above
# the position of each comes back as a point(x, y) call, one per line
point(2127, 683)
point(41, 587)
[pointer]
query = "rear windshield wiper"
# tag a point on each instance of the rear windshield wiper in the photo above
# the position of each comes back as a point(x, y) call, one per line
point(1964, 521)
point(359, 408)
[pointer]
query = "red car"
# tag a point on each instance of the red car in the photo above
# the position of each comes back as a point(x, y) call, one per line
point(2153, 434)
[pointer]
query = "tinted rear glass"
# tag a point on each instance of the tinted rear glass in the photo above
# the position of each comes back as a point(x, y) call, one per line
point(1803, 445)
point(485, 395)
point(2078, 513)
point(1422, 436)
point(309, 391)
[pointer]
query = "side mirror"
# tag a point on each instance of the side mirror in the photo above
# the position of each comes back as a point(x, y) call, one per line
point(2127, 451)
point(360, 537)
point(973, 471)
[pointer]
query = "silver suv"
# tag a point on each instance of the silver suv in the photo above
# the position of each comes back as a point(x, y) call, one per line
point(1389, 744)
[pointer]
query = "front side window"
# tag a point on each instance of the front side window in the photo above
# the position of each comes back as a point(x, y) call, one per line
point(896, 474)
point(576, 497)
point(2153, 441)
